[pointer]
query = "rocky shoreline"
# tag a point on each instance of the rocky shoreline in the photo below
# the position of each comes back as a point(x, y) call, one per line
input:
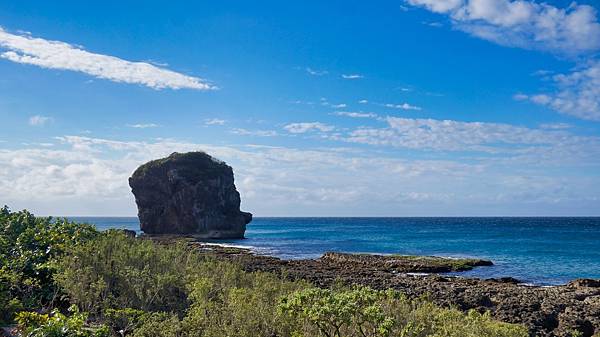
point(546, 311)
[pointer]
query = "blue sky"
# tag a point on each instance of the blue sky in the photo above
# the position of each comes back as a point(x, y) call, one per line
point(349, 108)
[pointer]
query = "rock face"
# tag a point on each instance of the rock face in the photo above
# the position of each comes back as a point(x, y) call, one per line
point(188, 193)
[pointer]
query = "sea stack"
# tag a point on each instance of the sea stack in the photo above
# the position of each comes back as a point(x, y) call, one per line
point(188, 193)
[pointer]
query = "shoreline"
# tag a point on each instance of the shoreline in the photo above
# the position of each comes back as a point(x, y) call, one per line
point(544, 310)
point(264, 252)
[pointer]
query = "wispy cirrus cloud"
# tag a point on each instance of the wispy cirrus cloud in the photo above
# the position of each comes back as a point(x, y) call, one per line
point(402, 106)
point(257, 133)
point(555, 126)
point(492, 138)
point(143, 125)
point(51, 54)
point(352, 76)
point(214, 121)
point(39, 120)
point(307, 127)
point(525, 24)
point(353, 114)
point(314, 72)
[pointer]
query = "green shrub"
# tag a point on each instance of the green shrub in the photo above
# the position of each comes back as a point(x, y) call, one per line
point(356, 312)
point(31, 324)
point(27, 244)
point(9, 305)
point(363, 312)
point(123, 322)
point(116, 271)
point(229, 302)
point(160, 324)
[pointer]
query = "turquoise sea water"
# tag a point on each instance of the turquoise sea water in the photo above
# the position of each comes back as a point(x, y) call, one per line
point(542, 251)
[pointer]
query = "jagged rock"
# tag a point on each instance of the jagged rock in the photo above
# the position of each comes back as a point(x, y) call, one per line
point(188, 193)
point(583, 282)
point(511, 280)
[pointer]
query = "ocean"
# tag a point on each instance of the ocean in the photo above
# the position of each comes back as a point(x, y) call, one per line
point(540, 251)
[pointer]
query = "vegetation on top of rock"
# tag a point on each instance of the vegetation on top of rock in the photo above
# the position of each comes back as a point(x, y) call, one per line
point(190, 165)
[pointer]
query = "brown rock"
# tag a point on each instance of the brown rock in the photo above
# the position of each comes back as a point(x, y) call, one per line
point(188, 193)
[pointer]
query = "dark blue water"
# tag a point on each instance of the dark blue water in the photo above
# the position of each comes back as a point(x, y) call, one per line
point(535, 250)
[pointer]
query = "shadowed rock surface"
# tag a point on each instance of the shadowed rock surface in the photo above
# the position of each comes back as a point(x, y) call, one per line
point(545, 311)
point(188, 193)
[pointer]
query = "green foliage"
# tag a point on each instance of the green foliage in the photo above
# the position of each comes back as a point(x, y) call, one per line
point(140, 288)
point(27, 245)
point(356, 312)
point(116, 271)
point(364, 312)
point(160, 324)
point(192, 166)
point(32, 324)
point(229, 302)
point(123, 321)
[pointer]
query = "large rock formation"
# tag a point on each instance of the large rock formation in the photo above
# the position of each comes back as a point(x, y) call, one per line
point(188, 193)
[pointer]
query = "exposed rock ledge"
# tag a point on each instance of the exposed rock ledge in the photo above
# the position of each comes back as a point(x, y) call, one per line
point(546, 311)
point(188, 193)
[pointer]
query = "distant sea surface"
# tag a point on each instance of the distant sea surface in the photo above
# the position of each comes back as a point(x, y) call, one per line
point(542, 251)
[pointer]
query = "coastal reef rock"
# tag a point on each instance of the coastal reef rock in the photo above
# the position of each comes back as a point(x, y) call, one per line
point(188, 193)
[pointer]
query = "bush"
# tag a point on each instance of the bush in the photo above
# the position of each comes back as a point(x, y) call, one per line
point(123, 321)
point(32, 324)
point(27, 245)
point(160, 324)
point(229, 302)
point(363, 312)
point(356, 312)
point(116, 271)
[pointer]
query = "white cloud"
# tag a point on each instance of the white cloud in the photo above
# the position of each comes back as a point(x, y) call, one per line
point(88, 176)
point(403, 106)
point(363, 101)
point(525, 24)
point(325, 102)
point(352, 76)
point(555, 126)
point(434, 24)
point(356, 114)
point(578, 93)
point(39, 120)
point(60, 55)
point(258, 133)
point(307, 127)
point(143, 125)
point(520, 97)
point(214, 121)
point(492, 138)
point(316, 72)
